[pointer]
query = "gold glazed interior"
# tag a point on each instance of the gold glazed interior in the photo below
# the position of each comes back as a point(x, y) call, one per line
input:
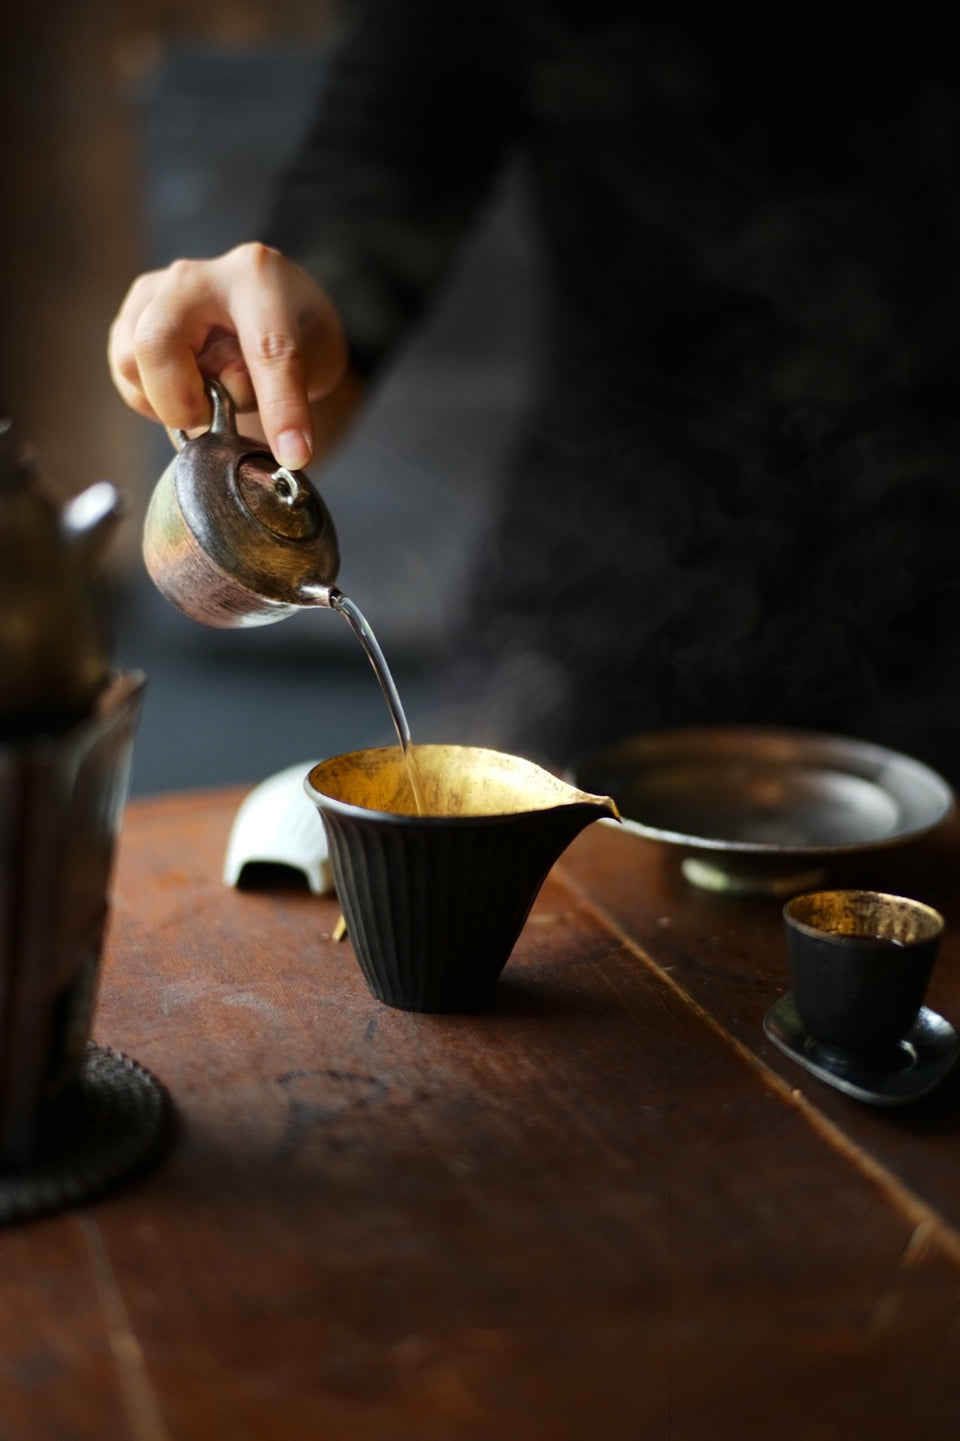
point(872, 915)
point(452, 781)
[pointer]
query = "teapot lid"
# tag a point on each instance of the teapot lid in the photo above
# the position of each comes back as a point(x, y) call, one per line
point(262, 524)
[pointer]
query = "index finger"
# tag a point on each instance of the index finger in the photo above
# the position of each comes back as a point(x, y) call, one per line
point(291, 342)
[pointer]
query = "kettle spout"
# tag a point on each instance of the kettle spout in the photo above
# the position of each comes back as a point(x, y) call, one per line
point(88, 520)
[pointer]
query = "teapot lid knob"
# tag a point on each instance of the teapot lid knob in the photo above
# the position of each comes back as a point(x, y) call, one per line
point(278, 498)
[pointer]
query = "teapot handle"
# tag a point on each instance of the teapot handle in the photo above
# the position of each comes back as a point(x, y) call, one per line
point(222, 420)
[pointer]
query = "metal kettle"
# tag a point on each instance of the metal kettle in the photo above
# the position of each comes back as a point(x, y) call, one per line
point(231, 538)
point(53, 637)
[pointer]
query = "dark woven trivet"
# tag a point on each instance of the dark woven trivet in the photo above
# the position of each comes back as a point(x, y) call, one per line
point(109, 1125)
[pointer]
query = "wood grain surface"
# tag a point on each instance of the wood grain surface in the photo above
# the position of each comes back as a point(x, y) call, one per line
point(608, 1208)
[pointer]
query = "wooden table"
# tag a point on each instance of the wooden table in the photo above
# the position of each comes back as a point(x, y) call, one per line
point(609, 1209)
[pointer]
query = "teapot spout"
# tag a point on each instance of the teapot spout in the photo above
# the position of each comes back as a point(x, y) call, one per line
point(88, 520)
point(313, 593)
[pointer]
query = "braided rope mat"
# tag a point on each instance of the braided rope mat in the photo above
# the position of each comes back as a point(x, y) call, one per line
point(108, 1126)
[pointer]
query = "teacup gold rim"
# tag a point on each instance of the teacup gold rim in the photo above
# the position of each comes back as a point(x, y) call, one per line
point(578, 799)
point(937, 926)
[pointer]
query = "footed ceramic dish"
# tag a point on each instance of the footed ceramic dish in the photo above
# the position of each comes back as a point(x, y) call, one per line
point(750, 810)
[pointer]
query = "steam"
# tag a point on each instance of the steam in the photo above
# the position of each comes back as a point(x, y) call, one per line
point(703, 564)
point(739, 500)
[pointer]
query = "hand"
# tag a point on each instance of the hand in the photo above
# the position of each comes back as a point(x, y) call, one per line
point(251, 319)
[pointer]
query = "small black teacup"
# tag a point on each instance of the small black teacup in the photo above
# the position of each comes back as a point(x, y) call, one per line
point(860, 963)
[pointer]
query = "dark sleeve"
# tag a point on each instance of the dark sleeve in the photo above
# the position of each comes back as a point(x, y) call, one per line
point(416, 110)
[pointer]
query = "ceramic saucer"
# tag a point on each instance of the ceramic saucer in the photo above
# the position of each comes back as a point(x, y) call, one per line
point(926, 1054)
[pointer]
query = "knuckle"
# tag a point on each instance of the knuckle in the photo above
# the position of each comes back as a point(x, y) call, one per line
point(181, 272)
point(123, 366)
point(275, 347)
point(138, 292)
point(254, 258)
point(151, 339)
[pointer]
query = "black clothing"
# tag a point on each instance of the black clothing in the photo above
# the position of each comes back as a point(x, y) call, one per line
point(737, 497)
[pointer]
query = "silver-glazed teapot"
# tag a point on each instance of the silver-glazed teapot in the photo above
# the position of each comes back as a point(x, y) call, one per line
point(231, 538)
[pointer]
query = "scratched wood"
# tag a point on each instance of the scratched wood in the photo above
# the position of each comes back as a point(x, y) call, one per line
point(728, 954)
point(591, 1213)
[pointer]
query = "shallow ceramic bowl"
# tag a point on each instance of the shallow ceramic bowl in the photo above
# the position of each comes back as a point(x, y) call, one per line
point(754, 810)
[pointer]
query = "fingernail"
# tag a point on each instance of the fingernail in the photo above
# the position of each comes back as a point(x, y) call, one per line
point(292, 449)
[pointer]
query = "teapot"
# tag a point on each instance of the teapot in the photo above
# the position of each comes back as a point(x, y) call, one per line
point(53, 637)
point(230, 537)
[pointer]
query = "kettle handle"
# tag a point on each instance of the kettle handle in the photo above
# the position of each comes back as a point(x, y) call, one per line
point(223, 418)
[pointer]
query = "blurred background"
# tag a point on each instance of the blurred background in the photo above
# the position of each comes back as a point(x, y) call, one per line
point(136, 131)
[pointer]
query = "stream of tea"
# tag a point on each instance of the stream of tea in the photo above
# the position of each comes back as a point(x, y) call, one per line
point(362, 629)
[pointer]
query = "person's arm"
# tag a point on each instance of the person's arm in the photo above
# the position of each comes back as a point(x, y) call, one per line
point(416, 110)
point(412, 125)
